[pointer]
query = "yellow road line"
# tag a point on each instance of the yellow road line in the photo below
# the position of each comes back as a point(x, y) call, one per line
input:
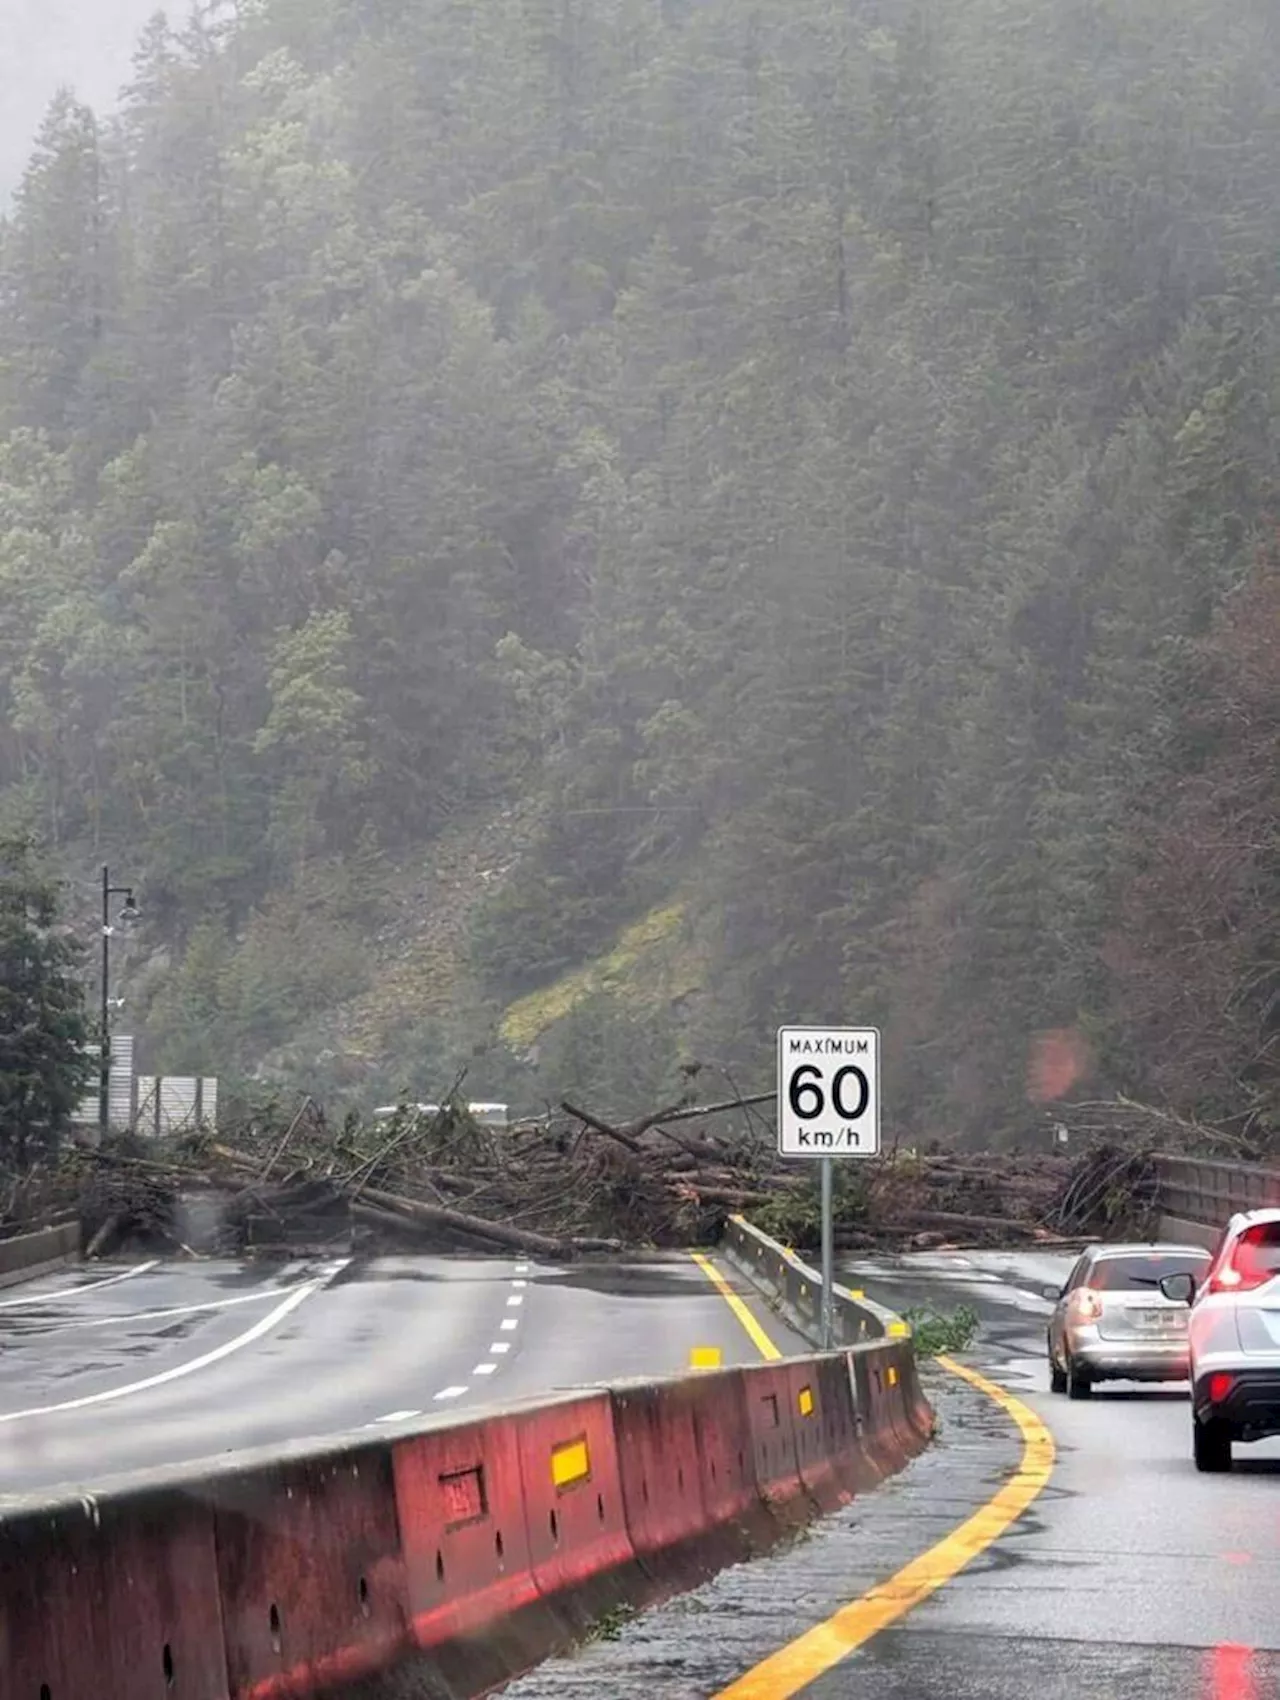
point(794, 1667)
point(759, 1339)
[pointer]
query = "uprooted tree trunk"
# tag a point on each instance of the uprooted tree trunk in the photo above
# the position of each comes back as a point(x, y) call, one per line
point(579, 1182)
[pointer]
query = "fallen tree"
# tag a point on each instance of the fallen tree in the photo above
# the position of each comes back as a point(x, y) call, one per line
point(568, 1184)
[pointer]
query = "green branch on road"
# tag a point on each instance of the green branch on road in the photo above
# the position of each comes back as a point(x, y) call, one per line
point(933, 1332)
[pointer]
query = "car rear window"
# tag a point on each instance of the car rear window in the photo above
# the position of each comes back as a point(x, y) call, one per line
point(1142, 1273)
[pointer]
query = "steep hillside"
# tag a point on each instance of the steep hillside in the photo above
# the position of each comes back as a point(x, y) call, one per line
point(807, 460)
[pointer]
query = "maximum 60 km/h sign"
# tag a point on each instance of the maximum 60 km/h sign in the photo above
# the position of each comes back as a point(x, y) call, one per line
point(829, 1091)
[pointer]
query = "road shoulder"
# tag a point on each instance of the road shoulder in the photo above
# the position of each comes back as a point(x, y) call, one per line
point(697, 1645)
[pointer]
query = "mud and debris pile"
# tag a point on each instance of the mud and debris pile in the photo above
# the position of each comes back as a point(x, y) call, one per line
point(1000, 1198)
point(567, 1184)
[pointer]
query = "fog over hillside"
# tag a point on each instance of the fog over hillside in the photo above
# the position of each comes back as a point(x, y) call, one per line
point(43, 43)
point(554, 537)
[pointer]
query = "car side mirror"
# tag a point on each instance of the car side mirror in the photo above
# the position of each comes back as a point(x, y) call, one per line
point(1053, 1294)
point(1181, 1287)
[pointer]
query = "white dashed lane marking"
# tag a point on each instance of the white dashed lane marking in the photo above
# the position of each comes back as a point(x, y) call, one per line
point(497, 1349)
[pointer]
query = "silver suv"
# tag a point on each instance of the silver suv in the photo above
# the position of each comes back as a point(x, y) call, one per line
point(1113, 1321)
point(1234, 1338)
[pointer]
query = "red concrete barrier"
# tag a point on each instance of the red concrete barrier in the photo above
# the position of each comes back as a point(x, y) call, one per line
point(726, 1457)
point(916, 1412)
point(849, 1472)
point(579, 1547)
point(310, 1573)
point(895, 1365)
point(112, 1600)
point(657, 1444)
point(880, 1445)
point(473, 1603)
point(474, 1548)
point(771, 1417)
point(688, 1480)
point(814, 1405)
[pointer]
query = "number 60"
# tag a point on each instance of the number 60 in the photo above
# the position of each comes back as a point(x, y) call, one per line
point(804, 1092)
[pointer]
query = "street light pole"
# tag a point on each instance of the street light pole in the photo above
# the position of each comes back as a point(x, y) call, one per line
point(104, 1038)
point(129, 912)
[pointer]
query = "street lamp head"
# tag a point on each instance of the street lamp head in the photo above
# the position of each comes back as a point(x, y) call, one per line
point(130, 913)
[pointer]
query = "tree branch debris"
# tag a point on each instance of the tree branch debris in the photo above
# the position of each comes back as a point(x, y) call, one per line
point(575, 1183)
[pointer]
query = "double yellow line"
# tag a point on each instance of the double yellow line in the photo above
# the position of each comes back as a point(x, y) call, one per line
point(793, 1667)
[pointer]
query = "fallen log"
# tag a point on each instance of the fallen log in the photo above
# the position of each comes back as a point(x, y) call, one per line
point(437, 1215)
point(908, 1221)
point(722, 1194)
point(105, 1234)
point(606, 1128)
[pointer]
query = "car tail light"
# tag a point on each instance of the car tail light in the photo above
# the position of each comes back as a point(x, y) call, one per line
point(1219, 1386)
point(1231, 1279)
point(1088, 1305)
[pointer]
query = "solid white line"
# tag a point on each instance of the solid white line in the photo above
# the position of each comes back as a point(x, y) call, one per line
point(509, 1322)
point(75, 1292)
point(397, 1417)
point(484, 1369)
point(500, 1346)
point(451, 1392)
point(157, 1315)
point(264, 1325)
point(516, 1299)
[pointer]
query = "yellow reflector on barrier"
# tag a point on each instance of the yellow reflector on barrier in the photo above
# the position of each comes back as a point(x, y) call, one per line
point(856, 1293)
point(570, 1463)
point(893, 1376)
point(899, 1330)
point(805, 1402)
point(705, 1357)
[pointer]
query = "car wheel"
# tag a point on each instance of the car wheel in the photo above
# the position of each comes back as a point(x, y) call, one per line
point(1211, 1443)
point(1057, 1376)
point(1078, 1384)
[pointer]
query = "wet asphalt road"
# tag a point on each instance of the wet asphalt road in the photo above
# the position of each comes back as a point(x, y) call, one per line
point(1129, 1576)
point(118, 1369)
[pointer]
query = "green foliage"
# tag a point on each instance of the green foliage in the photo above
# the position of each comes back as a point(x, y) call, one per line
point(44, 1070)
point(302, 950)
point(804, 446)
point(934, 1332)
point(610, 1624)
point(795, 1218)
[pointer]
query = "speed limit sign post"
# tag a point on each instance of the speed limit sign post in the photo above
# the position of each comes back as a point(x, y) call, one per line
point(828, 1107)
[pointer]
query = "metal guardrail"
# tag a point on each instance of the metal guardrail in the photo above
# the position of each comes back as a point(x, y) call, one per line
point(1209, 1191)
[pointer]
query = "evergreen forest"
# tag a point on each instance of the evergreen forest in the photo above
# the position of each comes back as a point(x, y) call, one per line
point(684, 514)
